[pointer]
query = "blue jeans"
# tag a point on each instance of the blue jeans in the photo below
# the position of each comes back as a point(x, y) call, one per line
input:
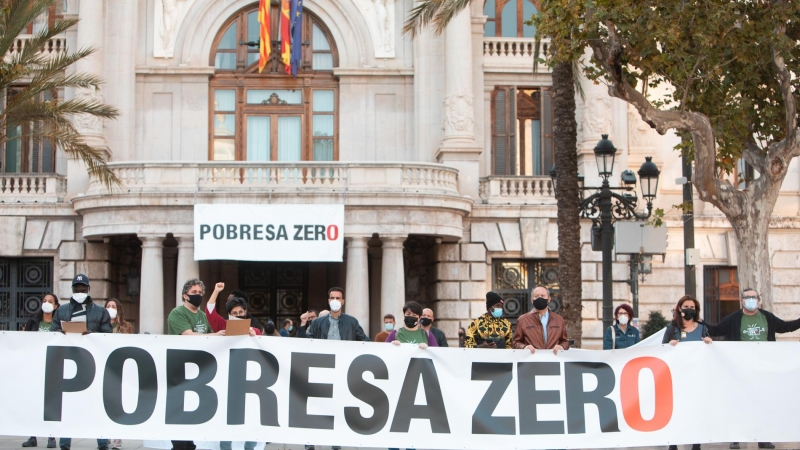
point(226, 445)
point(67, 443)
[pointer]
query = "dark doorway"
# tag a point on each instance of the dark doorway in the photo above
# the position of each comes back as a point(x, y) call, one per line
point(721, 289)
point(23, 283)
point(275, 291)
point(515, 279)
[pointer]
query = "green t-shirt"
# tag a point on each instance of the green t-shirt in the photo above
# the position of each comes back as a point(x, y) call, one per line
point(181, 319)
point(45, 326)
point(407, 336)
point(754, 328)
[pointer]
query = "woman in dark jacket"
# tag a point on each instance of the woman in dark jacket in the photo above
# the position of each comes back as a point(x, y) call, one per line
point(624, 335)
point(42, 321)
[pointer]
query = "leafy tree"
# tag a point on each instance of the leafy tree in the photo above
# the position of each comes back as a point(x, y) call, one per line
point(729, 69)
point(36, 73)
point(655, 323)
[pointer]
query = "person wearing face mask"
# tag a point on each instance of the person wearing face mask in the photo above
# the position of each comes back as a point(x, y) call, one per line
point(541, 329)
point(82, 309)
point(117, 314)
point(41, 322)
point(388, 326)
point(490, 330)
point(686, 325)
point(621, 334)
point(236, 307)
point(286, 328)
point(427, 323)
point(411, 332)
point(336, 325)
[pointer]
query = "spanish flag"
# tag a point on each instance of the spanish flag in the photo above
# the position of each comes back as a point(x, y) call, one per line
point(286, 37)
point(264, 44)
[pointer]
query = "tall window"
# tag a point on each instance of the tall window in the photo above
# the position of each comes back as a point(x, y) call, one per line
point(506, 18)
point(522, 130)
point(21, 153)
point(272, 116)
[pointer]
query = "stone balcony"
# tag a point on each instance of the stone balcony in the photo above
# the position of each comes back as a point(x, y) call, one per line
point(53, 47)
point(517, 190)
point(513, 55)
point(386, 197)
point(32, 188)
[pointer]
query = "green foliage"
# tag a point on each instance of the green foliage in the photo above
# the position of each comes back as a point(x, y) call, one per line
point(37, 73)
point(655, 323)
point(706, 56)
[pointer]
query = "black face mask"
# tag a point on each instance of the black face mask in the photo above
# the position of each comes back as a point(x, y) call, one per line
point(195, 299)
point(688, 313)
point(425, 321)
point(540, 303)
point(410, 321)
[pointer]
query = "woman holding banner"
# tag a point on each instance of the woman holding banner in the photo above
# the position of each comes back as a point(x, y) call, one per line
point(686, 325)
point(621, 334)
point(42, 322)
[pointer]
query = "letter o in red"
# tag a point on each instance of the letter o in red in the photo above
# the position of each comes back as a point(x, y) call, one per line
point(629, 393)
point(332, 232)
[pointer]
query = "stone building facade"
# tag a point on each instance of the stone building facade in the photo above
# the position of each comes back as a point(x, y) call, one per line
point(439, 147)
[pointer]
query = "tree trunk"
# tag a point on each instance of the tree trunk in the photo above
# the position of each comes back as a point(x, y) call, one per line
point(569, 227)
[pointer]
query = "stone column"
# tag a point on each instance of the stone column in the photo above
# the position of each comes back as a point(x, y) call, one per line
point(120, 76)
point(188, 268)
point(357, 285)
point(459, 148)
point(151, 296)
point(393, 280)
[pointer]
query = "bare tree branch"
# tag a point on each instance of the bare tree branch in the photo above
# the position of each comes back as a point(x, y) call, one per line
point(755, 156)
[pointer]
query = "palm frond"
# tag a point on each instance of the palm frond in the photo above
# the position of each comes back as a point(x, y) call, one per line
point(39, 41)
point(447, 13)
point(73, 144)
point(421, 15)
point(16, 19)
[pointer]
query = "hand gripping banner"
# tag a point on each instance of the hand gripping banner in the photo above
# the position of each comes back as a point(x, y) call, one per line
point(369, 394)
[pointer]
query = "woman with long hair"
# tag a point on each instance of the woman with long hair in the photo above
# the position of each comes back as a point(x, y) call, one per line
point(42, 321)
point(621, 334)
point(117, 313)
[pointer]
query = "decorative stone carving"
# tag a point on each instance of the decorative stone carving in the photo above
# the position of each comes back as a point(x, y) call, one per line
point(379, 15)
point(86, 123)
point(458, 114)
point(169, 15)
point(640, 135)
point(597, 116)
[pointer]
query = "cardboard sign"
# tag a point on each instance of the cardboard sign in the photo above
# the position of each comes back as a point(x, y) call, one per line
point(237, 327)
point(73, 327)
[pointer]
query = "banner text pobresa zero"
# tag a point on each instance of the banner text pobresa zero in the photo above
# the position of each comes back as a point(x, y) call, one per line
point(268, 232)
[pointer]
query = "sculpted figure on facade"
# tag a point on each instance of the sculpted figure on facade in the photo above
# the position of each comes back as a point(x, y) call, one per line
point(86, 123)
point(458, 114)
point(379, 16)
point(169, 15)
point(639, 133)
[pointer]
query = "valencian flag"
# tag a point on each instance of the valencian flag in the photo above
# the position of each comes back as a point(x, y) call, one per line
point(264, 44)
point(297, 34)
point(286, 37)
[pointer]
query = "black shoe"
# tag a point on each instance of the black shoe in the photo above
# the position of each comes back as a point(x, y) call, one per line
point(31, 442)
point(309, 447)
point(695, 446)
point(51, 442)
point(102, 448)
point(673, 447)
point(734, 446)
point(336, 447)
point(766, 445)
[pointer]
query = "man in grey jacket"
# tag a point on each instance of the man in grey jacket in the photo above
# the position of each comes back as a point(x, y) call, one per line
point(337, 325)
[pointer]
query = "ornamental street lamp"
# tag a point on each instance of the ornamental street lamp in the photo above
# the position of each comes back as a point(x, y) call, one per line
point(605, 206)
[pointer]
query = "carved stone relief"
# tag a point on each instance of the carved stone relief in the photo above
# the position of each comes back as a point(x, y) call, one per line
point(169, 15)
point(379, 15)
point(86, 123)
point(458, 114)
point(640, 135)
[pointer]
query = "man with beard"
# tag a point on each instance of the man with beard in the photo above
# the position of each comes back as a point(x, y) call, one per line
point(336, 325)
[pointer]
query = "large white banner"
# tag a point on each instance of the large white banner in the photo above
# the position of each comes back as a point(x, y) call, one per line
point(269, 232)
point(369, 394)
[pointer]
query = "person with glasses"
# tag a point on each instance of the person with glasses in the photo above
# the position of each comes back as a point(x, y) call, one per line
point(752, 324)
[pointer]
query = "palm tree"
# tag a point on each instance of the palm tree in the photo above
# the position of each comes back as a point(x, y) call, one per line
point(438, 13)
point(35, 76)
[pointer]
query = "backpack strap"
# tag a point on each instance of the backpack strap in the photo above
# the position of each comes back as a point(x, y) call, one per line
point(613, 337)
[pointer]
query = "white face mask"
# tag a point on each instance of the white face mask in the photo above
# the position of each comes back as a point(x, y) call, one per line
point(112, 312)
point(623, 320)
point(335, 305)
point(80, 297)
point(232, 317)
point(47, 308)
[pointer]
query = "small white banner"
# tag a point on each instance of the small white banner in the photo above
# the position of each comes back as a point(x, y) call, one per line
point(368, 394)
point(269, 232)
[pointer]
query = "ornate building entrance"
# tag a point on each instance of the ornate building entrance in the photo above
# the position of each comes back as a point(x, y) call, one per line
point(23, 283)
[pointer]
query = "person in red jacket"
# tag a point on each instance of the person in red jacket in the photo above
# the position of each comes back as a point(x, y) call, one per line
point(235, 306)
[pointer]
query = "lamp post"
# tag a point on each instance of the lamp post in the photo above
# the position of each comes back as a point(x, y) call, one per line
point(605, 206)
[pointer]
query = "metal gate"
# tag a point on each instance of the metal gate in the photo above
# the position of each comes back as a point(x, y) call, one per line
point(275, 291)
point(23, 283)
point(515, 279)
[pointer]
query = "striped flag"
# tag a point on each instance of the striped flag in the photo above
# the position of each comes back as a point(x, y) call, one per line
point(286, 37)
point(264, 44)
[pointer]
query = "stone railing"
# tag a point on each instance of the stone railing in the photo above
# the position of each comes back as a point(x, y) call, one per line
point(530, 190)
point(53, 47)
point(32, 188)
point(513, 54)
point(278, 176)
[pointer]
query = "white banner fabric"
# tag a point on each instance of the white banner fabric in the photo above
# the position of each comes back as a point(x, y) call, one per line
point(245, 232)
point(365, 394)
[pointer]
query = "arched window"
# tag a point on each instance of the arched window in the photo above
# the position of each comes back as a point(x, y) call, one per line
point(506, 18)
point(272, 116)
